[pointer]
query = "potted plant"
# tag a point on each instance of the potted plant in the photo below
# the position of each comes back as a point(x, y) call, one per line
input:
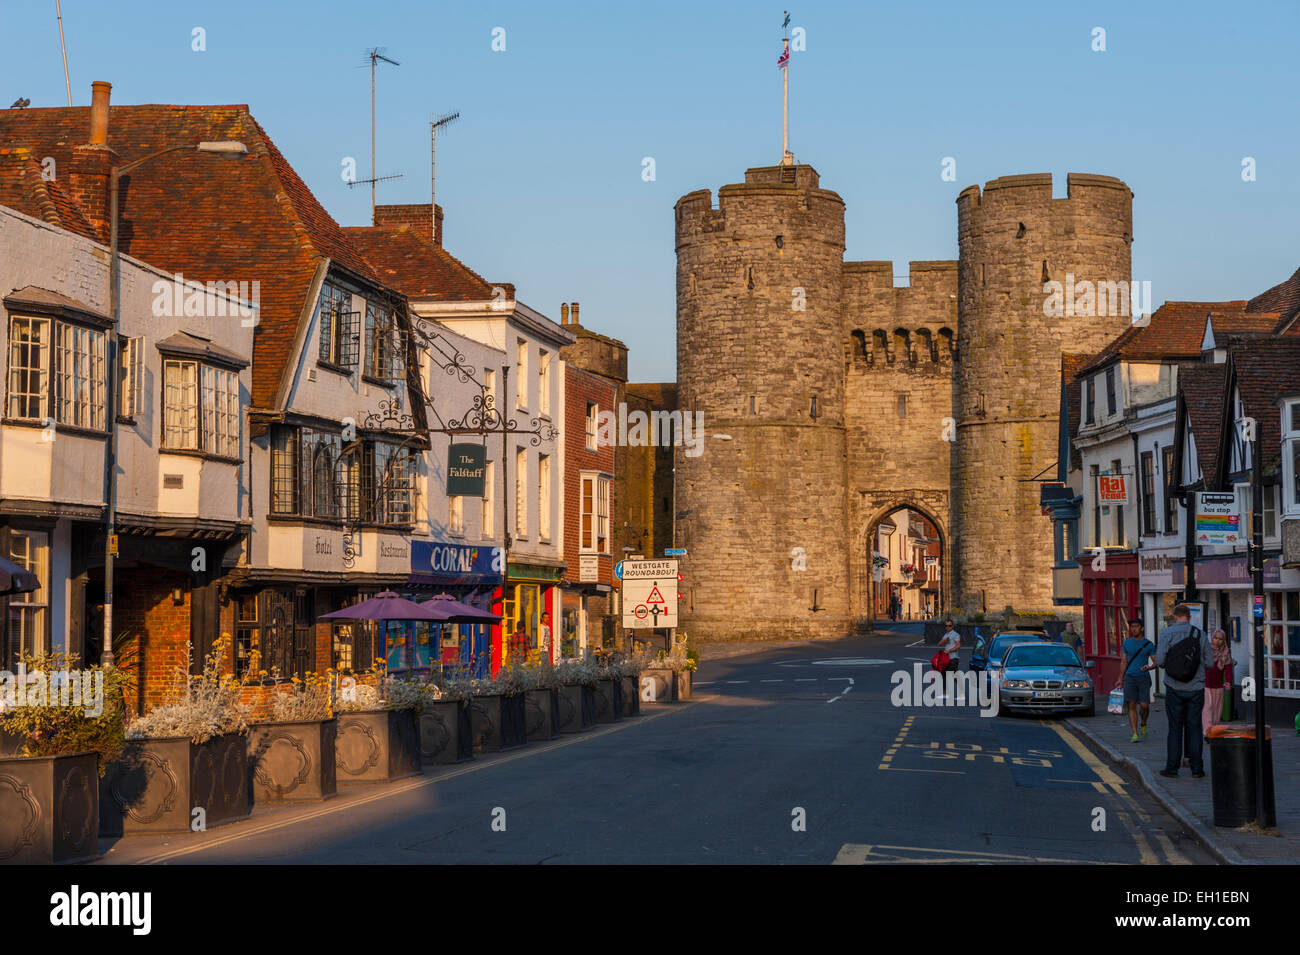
point(378, 726)
point(577, 695)
point(184, 766)
point(445, 730)
point(292, 756)
point(609, 691)
point(512, 685)
point(60, 727)
point(667, 678)
point(541, 701)
point(629, 686)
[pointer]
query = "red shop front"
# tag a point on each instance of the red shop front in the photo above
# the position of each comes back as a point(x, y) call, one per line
point(1110, 598)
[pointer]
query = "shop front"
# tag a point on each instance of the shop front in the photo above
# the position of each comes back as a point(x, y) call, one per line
point(1110, 597)
point(471, 575)
point(1226, 586)
point(534, 591)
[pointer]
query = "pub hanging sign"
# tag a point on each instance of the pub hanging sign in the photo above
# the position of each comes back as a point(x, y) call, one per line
point(466, 467)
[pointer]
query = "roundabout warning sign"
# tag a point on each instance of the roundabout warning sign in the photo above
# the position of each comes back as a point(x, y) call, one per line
point(649, 593)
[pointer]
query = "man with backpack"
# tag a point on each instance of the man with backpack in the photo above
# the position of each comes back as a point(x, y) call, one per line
point(1184, 653)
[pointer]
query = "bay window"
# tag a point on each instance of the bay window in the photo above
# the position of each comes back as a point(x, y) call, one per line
point(56, 369)
point(373, 482)
point(1291, 458)
point(200, 408)
point(338, 327)
point(382, 344)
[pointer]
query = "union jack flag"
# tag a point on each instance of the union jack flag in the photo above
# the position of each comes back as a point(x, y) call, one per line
point(784, 60)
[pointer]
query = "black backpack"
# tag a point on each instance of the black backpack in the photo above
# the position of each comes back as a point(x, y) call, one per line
point(1184, 657)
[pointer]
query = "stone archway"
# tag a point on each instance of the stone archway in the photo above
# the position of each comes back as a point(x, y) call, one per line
point(930, 511)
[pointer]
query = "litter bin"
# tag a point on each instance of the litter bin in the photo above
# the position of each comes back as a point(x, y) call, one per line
point(1232, 771)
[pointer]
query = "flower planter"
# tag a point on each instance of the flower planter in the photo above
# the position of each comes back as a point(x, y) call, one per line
point(682, 685)
point(485, 722)
point(155, 785)
point(445, 732)
point(10, 744)
point(606, 705)
point(656, 686)
point(539, 714)
point(630, 696)
point(293, 761)
point(49, 808)
point(577, 708)
point(513, 721)
point(660, 685)
point(377, 746)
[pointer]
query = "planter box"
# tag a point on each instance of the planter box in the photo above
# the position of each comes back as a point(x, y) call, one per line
point(49, 809)
point(577, 708)
point(631, 696)
point(485, 722)
point(606, 705)
point(156, 784)
point(445, 733)
point(377, 746)
point(10, 744)
point(513, 721)
point(682, 685)
point(656, 686)
point(539, 714)
point(293, 761)
point(665, 686)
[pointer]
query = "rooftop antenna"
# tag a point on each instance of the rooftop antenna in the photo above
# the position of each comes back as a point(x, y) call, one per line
point(58, 10)
point(375, 54)
point(434, 124)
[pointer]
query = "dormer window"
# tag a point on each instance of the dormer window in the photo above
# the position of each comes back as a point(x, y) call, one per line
point(339, 327)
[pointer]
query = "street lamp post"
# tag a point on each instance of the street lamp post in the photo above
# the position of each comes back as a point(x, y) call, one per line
point(223, 148)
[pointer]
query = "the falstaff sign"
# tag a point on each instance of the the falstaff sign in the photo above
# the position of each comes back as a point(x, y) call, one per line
point(466, 465)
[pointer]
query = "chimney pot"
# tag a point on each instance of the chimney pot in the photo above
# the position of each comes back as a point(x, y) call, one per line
point(564, 313)
point(573, 314)
point(99, 92)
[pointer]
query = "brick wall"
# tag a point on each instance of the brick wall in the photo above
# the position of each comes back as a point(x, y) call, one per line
point(414, 216)
point(581, 387)
point(143, 610)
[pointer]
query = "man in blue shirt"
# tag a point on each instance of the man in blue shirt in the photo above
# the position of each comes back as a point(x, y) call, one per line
point(1133, 675)
point(1184, 699)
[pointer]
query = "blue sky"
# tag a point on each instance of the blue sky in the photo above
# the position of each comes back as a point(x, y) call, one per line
point(541, 179)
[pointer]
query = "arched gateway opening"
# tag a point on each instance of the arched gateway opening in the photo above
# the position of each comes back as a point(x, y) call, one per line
point(905, 553)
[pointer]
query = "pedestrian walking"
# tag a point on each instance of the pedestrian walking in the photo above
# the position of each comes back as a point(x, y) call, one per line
point(1218, 677)
point(1184, 653)
point(1135, 679)
point(1074, 639)
point(950, 643)
point(544, 637)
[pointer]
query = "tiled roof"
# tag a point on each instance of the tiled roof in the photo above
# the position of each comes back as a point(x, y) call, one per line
point(211, 217)
point(22, 187)
point(1284, 298)
point(1266, 370)
point(1201, 385)
point(408, 261)
point(1174, 332)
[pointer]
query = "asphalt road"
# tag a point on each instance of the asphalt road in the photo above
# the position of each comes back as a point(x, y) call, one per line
point(788, 755)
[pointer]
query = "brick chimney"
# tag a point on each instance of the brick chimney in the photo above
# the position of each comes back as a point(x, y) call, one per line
point(415, 217)
point(573, 314)
point(93, 162)
point(564, 313)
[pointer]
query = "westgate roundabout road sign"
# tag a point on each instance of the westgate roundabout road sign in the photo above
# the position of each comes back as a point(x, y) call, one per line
point(649, 594)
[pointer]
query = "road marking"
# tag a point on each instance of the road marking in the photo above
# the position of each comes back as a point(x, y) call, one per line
point(771, 681)
point(843, 691)
point(917, 643)
point(853, 854)
point(737, 681)
point(702, 683)
point(806, 679)
point(395, 789)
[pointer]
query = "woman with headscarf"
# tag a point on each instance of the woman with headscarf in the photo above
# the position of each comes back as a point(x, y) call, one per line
point(1217, 678)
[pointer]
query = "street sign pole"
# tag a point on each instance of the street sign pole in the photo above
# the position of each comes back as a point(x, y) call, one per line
point(1257, 575)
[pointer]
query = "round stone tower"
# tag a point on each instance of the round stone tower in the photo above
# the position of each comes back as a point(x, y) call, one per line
point(1014, 240)
point(761, 503)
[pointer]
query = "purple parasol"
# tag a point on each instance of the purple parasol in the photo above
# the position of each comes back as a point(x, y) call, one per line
point(385, 606)
point(452, 610)
point(14, 579)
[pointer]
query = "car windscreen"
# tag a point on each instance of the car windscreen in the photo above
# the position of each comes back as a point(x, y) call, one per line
point(1002, 644)
point(1041, 655)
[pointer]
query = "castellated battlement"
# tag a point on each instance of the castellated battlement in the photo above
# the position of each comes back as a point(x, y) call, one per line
point(1102, 205)
point(772, 202)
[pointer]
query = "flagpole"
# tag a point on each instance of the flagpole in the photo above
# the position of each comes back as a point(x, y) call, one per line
point(785, 106)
